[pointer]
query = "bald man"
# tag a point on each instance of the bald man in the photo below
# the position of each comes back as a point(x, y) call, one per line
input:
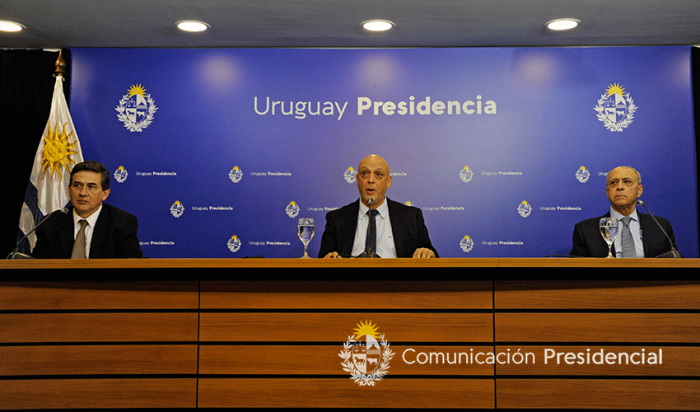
point(623, 187)
point(400, 229)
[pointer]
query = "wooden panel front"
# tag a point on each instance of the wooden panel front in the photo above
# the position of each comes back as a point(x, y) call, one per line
point(80, 295)
point(98, 344)
point(585, 294)
point(408, 360)
point(347, 295)
point(344, 393)
point(98, 359)
point(98, 327)
point(598, 327)
point(276, 344)
point(597, 394)
point(336, 327)
point(98, 393)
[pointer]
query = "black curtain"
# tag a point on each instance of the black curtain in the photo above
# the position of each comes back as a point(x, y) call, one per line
point(26, 89)
point(695, 69)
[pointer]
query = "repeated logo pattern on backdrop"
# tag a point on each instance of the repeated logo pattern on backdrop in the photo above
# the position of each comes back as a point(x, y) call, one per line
point(502, 149)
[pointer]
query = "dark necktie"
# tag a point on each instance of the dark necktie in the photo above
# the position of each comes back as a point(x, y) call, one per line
point(628, 249)
point(371, 241)
point(79, 245)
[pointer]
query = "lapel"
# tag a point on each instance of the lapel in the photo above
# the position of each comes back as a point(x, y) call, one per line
point(395, 217)
point(350, 222)
point(644, 222)
point(66, 233)
point(100, 233)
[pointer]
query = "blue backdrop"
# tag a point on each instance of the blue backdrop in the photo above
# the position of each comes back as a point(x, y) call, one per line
point(219, 151)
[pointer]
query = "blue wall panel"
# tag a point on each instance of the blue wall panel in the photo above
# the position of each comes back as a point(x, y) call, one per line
point(289, 123)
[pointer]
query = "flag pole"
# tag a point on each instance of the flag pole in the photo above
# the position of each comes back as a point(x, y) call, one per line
point(60, 65)
point(47, 190)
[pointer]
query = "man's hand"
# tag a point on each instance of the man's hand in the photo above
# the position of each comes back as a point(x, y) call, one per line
point(423, 253)
point(333, 255)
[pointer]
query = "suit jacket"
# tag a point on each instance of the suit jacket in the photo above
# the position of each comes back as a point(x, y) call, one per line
point(407, 226)
point(114, 236)
point(588, 242)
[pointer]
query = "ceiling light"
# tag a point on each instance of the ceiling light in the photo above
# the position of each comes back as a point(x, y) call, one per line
point(377, 25)
point(10, 26)
point(563, 24)
point(192, 26)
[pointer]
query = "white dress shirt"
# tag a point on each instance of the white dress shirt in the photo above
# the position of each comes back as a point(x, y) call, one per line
point(385, 237)
point(89, 228)
point(635, 229)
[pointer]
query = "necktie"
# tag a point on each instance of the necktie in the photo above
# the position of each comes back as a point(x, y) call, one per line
point(371, 241)
point(79, 245)
point(628, 250)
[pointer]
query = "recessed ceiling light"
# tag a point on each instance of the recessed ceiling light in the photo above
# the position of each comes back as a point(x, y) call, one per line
point(10, 26)
point(192, 26)
point(377, 25)
point(563, 24)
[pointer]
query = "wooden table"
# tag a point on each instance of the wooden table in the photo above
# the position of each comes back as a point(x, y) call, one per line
point(269, 333)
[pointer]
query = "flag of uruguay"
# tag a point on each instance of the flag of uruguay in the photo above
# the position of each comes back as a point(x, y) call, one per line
point(59, 150)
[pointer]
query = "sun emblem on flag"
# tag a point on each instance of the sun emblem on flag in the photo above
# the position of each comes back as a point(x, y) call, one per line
point(136, 109)
point(57, 152)
point(615, 108)
point(366, 355)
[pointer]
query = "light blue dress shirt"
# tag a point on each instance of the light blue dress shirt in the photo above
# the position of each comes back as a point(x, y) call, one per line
point(635, 229)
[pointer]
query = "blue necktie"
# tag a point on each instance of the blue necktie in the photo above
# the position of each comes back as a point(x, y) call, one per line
point(371, 241)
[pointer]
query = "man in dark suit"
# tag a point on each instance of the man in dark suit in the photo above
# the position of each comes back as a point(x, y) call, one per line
point(400, 229)
point(91, 229)
point(623, 188)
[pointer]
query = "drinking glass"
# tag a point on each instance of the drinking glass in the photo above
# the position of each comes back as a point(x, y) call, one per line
point(608, 229)
point(306, 229)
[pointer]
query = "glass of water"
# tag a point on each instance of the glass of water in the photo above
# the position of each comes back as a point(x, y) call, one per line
point(306, 229)
point(608, 229)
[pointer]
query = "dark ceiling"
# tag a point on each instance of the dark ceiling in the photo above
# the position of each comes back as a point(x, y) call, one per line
point(336, 23)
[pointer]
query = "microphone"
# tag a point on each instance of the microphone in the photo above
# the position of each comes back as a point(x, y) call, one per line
point(15, 254)
point(673, 253)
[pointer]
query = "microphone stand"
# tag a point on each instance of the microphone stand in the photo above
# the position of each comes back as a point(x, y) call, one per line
point(673, 253)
